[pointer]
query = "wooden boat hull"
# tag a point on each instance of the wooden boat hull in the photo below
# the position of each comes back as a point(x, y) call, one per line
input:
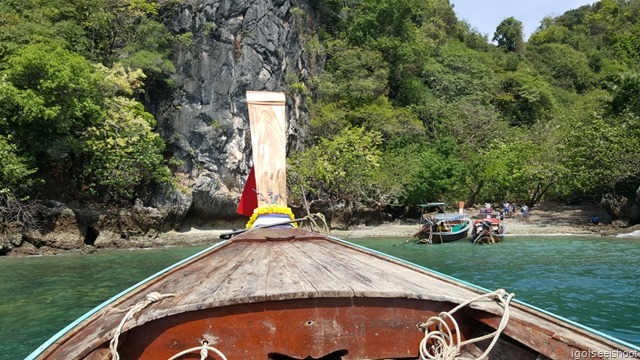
point(363, 329)
point(429, 234)
point(488, 239)
point(292, 294)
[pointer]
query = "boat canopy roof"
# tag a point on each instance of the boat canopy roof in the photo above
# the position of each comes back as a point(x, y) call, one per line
point(442, 214)
point(434, 204)
point(448, 217)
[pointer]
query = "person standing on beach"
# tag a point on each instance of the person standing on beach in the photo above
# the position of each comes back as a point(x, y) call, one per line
point(525, 211)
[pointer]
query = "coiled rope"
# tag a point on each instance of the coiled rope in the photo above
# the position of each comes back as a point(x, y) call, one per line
point(443, 344)
point(149, 299)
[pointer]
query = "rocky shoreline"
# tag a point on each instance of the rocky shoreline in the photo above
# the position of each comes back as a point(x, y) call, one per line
point(546, 218)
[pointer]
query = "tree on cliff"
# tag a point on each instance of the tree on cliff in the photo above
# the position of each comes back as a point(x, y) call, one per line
point(547, 96)
point(508, 35)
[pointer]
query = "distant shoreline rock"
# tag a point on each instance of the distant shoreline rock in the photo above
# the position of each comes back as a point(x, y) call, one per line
point(89, 229)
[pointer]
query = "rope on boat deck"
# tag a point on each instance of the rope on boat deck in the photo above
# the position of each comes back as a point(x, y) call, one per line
point(313, 224)
point(440, 344)
point(204, 351)
point(149, 299)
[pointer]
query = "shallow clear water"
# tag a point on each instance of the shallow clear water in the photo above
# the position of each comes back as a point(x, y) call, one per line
point(41, 295)
point(591, 280)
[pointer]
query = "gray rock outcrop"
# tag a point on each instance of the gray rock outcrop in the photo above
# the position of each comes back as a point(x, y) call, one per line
point(236, 46)
point(621, 209)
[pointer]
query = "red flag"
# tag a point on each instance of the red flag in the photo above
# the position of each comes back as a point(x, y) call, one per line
point(249, 199)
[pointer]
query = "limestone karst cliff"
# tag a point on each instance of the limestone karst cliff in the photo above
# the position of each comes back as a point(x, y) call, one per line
point(236, 46)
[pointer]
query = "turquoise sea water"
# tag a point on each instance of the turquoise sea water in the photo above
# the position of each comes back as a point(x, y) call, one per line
point(590, 280)
point(41, 295)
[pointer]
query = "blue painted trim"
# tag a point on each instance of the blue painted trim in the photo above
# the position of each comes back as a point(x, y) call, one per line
point(60, 333)
point(581, 326)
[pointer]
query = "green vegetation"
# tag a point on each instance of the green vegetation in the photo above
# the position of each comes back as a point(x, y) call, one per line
point(463, 119)
point(412, 105)
point(70, 74)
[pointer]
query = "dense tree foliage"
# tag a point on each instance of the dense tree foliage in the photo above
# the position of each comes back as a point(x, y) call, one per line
point(342, 167)
point(70, 72)
point(463, 119)
point(413, 105)
point(14, 170)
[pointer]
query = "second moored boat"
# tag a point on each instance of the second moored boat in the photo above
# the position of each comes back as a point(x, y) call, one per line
point(439, 226)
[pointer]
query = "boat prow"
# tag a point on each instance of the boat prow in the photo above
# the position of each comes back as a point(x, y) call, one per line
point(296, 294)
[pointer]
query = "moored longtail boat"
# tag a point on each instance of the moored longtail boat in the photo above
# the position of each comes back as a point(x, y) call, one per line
point(489, 230)
point(289, 293)
point(439, 226)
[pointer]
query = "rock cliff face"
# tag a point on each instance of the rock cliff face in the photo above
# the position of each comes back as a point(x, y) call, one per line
point(236, 46)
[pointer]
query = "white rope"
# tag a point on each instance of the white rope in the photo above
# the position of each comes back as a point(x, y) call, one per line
point(204, 352)
point(443, 344)
point(149, 299)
